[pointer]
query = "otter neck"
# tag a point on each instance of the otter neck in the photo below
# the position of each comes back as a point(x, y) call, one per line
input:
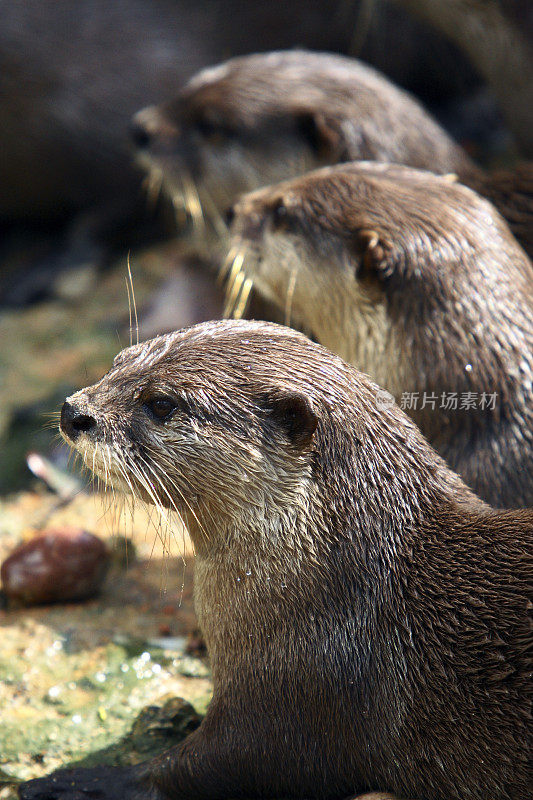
point(248, 570)
point(376, 597)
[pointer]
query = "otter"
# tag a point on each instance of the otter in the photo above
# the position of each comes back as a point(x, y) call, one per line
point(417, 281)
point(263, 118)
point(366, 614)
point(72, 75)
point(68, 93)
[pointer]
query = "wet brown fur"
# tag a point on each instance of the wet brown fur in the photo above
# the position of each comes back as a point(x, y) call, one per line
point(429, 273)
point(367, 616)
point(263, 118)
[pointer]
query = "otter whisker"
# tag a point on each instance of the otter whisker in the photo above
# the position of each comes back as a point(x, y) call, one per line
point(290, 296)
point(49, 426)
point(106, 457)
point(99, 481)
point(134, 303)
point(182, 497)
point(194, 205)
point(181, 211)
point(154, 185)
point(242, 303)
point(122, 468)
point(76, 461)
point(150, 490)
point(130, 499)
point(133, 496)
point(232, 263)
point(170, 498)
point(233, 292)
point(94, 462)
point(129, 308)
point(120, 518)
point(215, 217)
point(104, 477)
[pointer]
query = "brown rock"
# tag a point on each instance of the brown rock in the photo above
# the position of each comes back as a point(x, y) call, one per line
point(57, 565)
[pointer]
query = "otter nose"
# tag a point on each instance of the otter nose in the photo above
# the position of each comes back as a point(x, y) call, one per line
point(229, 215)
point(144, 126)
point(150, 126)
point(139, 135)
point(73, 422)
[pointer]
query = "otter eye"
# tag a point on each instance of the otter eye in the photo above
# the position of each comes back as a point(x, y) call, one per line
point(213, 132)
point(161, 407)
point(206, 128)
point(280, 216)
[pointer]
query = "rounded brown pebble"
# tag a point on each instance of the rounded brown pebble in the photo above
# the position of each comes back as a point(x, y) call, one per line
point(59, 564)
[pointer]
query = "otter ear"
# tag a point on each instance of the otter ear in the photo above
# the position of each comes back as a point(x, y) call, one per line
point(293, 413)
point(374, 252)
point(322, 134)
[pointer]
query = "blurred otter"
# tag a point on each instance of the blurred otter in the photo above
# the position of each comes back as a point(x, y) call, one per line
point(71, 76)
point(366, 615)
point(417, 281)
point(263, 118)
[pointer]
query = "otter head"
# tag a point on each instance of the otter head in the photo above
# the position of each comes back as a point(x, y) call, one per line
point(198, 422)
point(303, 247)
point(395, 269)
point(238, 126)
point(263, 118)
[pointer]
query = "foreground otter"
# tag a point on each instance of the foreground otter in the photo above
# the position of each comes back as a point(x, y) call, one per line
point(263, 118)
point(417, 281)
point(366, 615)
